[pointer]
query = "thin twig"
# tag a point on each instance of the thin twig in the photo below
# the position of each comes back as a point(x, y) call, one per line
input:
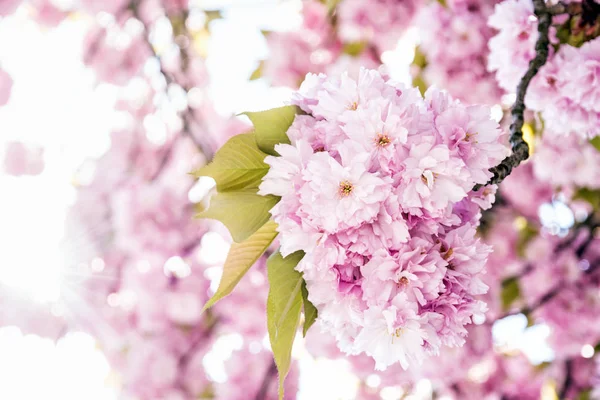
point(557, 9)
point(590, 223)
point(189, 116)
point(199, 340)
point(520, 149)
point(549, 295)
point(264, 387)
point(568, 379)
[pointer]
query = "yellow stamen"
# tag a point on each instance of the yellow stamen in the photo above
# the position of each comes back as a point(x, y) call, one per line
point(345, 188)
point(448, 254)
point(382, 140)
point(403, 282)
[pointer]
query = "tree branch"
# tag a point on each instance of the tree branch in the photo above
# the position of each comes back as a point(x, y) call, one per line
point(557, 9)
point(549, 295)
point(520, 149)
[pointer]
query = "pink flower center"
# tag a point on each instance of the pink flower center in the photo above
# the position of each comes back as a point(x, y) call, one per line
point(353, 106)
point(382, 140)
point(402, 282)
point(345, 188)
point(426, 180)
point(448, 254)
point(469, 135)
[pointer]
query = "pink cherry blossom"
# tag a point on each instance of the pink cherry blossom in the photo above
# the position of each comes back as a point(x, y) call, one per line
point(385, 213)
point(381, 22)
point(453, 38)
point(23, 159)
point(7, 7)
point(116, 54)
point(6, 83)
point(564, 91)
point(513, 47)
point(110, 6)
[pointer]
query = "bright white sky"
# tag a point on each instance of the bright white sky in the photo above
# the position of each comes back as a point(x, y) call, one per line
point(55, 103)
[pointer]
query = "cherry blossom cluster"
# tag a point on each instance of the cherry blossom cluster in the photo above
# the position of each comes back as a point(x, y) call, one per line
point(376, 190)
point(483, 373)
point(117, 51)
point(380, 22)
point(18, 158)
point(514, 45)
point(149, 274)
point(356, 37)
point(454, 39)
point(565, 91)
point(548, 274)
point(314, 47)
point(576, 162)
point(552, 280)
point(566, 269)
point(9, 6)
point(140, 267)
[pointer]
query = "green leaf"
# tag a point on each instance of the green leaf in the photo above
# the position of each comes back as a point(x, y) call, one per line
point(443, 3)
point(243, 212)
point(270, 126)
point(237, 165)
point(283, 309)
point(240, 258)
point(595, 142)
point(331, 5)
point(419, 60)
point(526, 233)
point(542, 366)
point(585, 395)
point(258, 71)
point(354, 48)
point(211, 15)
point(310, 311)
point(420, 83)
point(510, 292)
point(589, 195)
point(530, 320)
point(563, 33)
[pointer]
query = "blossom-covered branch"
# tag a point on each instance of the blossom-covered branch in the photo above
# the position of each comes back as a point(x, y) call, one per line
point(189, 116)
point(590, 224)
point(520, 148)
